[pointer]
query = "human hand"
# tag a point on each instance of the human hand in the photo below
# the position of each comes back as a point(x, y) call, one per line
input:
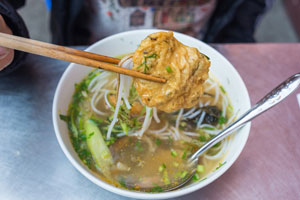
point(6, 55)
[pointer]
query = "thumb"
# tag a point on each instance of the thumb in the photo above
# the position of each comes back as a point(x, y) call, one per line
point(3, 52)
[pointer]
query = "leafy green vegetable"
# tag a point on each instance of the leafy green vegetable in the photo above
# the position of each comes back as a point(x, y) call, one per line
point(196, 177)
point(222, 120)
point(64, 118)
point(202, 138)
point(208, 128)
point(157, 141)
point(169, 70)
point(157, 188)
point(122, 182)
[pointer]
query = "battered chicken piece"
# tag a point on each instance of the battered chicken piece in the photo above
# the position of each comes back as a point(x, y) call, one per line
point(184, 68)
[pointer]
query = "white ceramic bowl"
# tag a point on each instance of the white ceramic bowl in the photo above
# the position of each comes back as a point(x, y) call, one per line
point(127, 42)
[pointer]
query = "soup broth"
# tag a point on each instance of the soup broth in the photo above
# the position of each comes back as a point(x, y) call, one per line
point(144, 147)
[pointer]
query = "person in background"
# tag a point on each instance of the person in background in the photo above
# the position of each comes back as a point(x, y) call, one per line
point(82, 22)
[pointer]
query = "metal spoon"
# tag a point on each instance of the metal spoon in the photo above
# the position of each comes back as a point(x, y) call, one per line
point(270, 100)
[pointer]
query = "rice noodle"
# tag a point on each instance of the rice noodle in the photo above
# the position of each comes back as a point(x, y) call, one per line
point(152, 147)
point(93, 103)
point(146, 123)
point(155, 115)
point(194, 114)
point(189, 112)
point(118, 104)
point(106, 100)
point(220, 153)
point(191, 133)
point(201, 119)
point(160, 130)
point(175, 132)
point(179, 118)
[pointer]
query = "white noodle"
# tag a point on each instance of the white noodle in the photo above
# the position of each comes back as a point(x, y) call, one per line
point(175, 132)
point(179, 118)
point(115, 118)
point(155, 115)
point(191, 133)
point(106, 100)
point(210, 87)
point(194, 114)
point(160, 130)
point(220, 153)
point(201, 119)
point(94, 107)
point(189, 112)
point(207, 103)
point(146, 123)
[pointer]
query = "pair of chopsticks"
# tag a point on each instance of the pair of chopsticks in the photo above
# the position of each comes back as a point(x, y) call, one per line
point(71, 55)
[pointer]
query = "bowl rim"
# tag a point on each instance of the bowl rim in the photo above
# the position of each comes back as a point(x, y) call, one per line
point(135, 194)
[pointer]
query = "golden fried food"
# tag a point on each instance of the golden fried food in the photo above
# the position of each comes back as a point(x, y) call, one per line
point(184, 68)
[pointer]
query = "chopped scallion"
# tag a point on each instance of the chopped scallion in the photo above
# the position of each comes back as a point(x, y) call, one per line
point(200, 168)
point(169, 70)
point(173, 153)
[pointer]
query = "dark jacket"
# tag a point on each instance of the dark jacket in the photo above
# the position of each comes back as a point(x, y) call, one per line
point(72, 21)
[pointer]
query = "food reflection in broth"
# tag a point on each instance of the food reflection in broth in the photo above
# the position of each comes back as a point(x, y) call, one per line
point(143, 147)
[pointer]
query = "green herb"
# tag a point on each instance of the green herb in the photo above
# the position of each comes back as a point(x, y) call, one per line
point(157, 141)
point(200, 168)
point(169, 70)
point(165, 178)
point(170, 139)
point(196, 177)
point(157, 189)
point(139, 146)
point(183, 174)
point(90, 135)
point(202, 138)
point(183, 155)
point(64, 118)
point(122, 182)
point(220, 165)
point(173, 153)
point(208, 128)
point(162, 167)
point(216, 145)
point(222, 120)
point(222, 89)
point(144, 63)
point(176, 164)
point(143, 111)
point(125, 128)
point(151, 113)
point(110, 141)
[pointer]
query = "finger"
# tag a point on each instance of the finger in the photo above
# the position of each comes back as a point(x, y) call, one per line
point(6, 57)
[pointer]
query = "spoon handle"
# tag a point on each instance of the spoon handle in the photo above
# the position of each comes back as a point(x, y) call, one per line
point(270, 100)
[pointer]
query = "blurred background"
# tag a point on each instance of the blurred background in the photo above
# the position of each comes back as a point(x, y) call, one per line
point(279, 24)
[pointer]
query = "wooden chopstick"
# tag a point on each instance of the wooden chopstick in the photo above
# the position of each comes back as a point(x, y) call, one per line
point(71, 55)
